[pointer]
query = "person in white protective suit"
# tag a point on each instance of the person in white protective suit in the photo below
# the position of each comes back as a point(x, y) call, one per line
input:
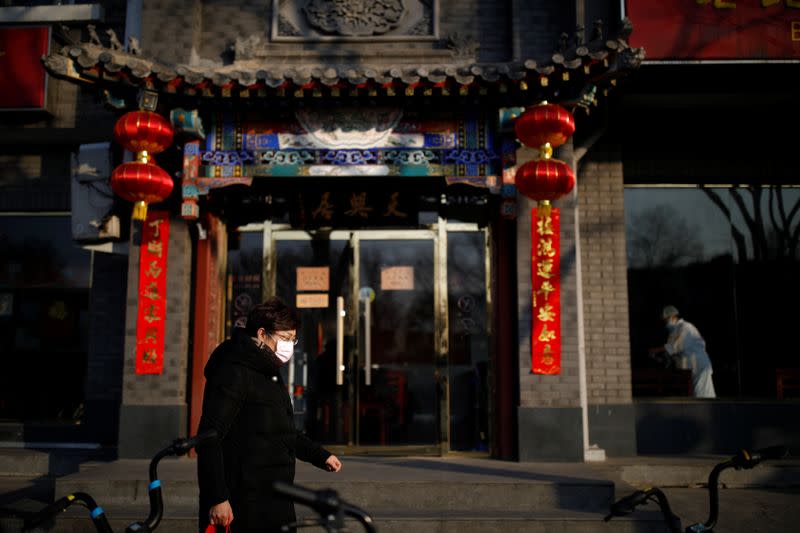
point(687, 348)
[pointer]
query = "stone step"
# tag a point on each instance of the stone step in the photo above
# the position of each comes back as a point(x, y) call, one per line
point(449, 496)
point(183, 519)
point(785, 473)
point(404, 483)
point(24, 462)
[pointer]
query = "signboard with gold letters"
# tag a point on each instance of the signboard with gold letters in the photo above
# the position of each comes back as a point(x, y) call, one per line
point(152, 293)
point(546, 291)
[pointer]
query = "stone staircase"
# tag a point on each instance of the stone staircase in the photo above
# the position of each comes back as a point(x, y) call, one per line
point(401, 494)
point(424, 494)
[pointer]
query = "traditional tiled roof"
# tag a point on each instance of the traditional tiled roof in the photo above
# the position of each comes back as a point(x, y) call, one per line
point(597, 62)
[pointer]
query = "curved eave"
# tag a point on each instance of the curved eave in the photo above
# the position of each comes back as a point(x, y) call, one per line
point(598, 63)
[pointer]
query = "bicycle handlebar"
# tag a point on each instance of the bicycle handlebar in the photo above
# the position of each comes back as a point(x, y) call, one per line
point(746, 460)
point(178, 447)
point(326, 503)
point(742, 460)
point(628, 504)
point(96, 512)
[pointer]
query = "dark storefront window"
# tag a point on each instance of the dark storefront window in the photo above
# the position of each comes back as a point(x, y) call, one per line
point(245, 259)
point(728, 259)
point(44, 298)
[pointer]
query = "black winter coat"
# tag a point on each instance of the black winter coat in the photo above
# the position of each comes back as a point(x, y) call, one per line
point(246, 402)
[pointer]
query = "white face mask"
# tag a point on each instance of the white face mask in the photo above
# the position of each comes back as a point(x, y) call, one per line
point(284, 349)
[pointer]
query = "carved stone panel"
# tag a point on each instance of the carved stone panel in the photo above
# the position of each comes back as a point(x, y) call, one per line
point(354, 20)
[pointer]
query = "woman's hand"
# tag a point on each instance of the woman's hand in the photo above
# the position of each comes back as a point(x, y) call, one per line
point(221, 514)
point(333, 464)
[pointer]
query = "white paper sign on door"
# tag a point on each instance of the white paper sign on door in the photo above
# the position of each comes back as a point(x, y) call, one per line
point(397, 278)
point(311, 300)
point(313, 278)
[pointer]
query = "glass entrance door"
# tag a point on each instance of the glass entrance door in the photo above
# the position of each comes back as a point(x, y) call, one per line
point(367, 365)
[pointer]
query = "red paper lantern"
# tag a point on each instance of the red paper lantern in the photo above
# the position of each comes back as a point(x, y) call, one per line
point(142, 183)
point(544, 123)
point(545, 180)
point(143, 131)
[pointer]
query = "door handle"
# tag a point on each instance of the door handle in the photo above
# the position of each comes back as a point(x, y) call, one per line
point(368, 341)
point(340, 340)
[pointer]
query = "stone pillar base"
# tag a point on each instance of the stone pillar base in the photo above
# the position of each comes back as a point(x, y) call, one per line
point(145, 429)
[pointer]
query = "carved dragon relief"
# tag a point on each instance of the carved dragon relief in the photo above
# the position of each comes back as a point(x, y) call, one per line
point(354, 19)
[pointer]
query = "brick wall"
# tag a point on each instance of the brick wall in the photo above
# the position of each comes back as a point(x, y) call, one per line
point(605, 289)
point(172, 29)
point(537, 25)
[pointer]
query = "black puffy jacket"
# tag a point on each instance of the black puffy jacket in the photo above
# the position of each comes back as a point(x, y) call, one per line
point(246, 402)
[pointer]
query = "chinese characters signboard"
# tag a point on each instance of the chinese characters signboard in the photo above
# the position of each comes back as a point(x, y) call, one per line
point(546, 291)
point(312, 300)
point(716, 29)
point(397, 278)
point(152, 294)
point(361, 207)
point(24, 78)
point(313, 278)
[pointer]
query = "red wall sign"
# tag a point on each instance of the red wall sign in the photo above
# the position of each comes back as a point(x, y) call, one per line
point(546, 291)
point(152, 293)
point(21, 71)
point(716, 29)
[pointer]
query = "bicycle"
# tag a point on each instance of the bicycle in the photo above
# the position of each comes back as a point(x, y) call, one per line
point(330, 509)
point(742, 460)
point(177, 448)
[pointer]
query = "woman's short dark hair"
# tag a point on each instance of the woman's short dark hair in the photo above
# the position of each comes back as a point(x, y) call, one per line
point(272, 315)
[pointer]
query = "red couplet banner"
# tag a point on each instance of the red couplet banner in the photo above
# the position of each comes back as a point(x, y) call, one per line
point(546, 291)
point(21, 71)
point(152, 294)
point(716, 29)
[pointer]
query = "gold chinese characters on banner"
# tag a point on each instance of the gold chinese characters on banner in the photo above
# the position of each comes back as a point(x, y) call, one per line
point(152, 309)
point(546, 291)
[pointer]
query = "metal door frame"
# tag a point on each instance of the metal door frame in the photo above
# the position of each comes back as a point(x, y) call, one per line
point(436, 233)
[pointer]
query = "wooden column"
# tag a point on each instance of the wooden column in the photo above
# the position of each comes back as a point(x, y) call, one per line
point(209, 307)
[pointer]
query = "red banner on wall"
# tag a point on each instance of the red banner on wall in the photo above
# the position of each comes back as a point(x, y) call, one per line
point(21, 71)
point(152, 311)
point(546, 291)
point(716, 29)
